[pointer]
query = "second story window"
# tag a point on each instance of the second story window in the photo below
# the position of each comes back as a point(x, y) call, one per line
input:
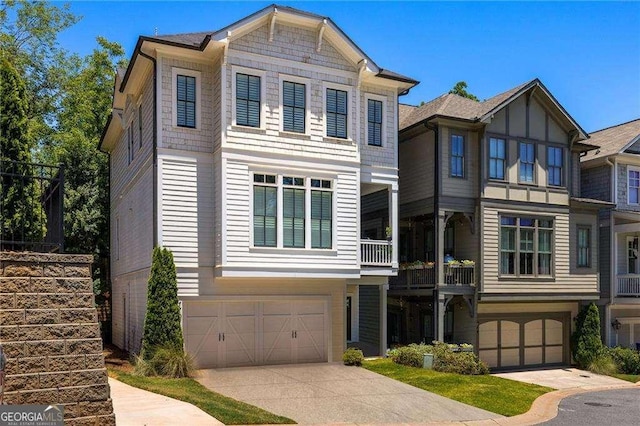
point(526, 246)
point(633, 256)
point(265, 210)
point(457, 156)
point(374, 122)
point(321, 213)
point(554, 166)
point(186, 101)
point(130, 142)
point(497, 158)
point(584, 247)
point(634, 186)
point(294, 107)
point(336, 110)
point(293, 211)
point(527, 162)
point(247, 100)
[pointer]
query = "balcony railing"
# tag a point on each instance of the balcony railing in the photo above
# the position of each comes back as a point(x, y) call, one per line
point(420, 277)
point(629, 285)
point(375, 253)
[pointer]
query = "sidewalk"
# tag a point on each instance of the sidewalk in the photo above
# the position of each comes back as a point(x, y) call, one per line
point(137, 407)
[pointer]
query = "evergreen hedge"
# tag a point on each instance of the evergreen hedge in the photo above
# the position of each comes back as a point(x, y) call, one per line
point(162, 322)
point(586, 344)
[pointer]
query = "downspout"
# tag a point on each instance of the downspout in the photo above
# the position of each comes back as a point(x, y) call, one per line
point(436, 221)
point(155, 147)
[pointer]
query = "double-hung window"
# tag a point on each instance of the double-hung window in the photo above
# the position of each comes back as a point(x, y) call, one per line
point(554, 166)
point(265, 210)
point(457, 156)
point(336, 113)
point(527, 162)
point(294, 104)
point(186, 101)
point(374, 122)
point(584, 246)
point(248, 100)
point(321, 213)
point(526, 246)
point(497, 158)
point(633, 187)
point(293, 211)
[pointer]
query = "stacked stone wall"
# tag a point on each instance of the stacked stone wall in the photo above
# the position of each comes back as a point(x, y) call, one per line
point(51, 337)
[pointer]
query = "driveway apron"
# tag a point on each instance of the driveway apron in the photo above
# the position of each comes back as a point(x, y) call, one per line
point(563, 378)
point(333, 393)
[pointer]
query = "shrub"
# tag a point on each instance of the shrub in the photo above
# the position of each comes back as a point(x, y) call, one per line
point(627, 360)
point(603, 364)
point(447, 361)
point(586, 344)
point(143, 367)
point(171, 361)
point(162, 321)
point(411, 355)
point(353, 356)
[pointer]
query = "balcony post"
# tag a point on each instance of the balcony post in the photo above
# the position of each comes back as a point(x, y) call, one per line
point(393, 223)
point(383, 319)
point(441, 223)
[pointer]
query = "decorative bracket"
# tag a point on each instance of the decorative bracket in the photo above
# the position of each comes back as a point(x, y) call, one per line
point(470, 304)
point(470, 218)
point(321, 29)
point(363, 66)
point(272, 24)
point(225, 51)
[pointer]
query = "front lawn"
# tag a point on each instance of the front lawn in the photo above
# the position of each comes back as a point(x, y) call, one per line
point(227, 410)
point(495, 394)
point(633, 378)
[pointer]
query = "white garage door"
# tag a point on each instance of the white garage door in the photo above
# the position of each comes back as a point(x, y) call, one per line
point(239, 333)
point(523, 341)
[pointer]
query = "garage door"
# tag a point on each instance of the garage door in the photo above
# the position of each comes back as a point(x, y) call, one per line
point(241, 333)
point(519, 341)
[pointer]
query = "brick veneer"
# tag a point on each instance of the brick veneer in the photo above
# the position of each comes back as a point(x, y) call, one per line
point(50, 334)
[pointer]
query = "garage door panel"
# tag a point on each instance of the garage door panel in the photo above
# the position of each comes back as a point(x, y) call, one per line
point(509, 334)
point(510, 357)
point(203, 309)
point(276, 308)
point(553, 332)
point(490, 357)
point(488, 334)
point(533, 333)
point(532, 356)
point(310, 307)
point(200, 326)
point(553, 355)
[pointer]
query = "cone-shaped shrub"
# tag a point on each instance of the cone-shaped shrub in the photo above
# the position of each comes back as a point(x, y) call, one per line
point(586, 344)
point(162, 322)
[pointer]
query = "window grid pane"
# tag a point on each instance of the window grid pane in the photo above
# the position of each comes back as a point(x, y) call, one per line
point(584, 246)
point(321, 219)
point(374, 122)
point(293, 217)
point(527, 162)
point(264, 216)
point(554, 166)
point(186, 101)
point(497, 158)
point(336, 109)
point(457, 156)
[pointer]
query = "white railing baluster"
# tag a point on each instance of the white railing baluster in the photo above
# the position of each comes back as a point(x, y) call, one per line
point(375, 253)
point(628, 285)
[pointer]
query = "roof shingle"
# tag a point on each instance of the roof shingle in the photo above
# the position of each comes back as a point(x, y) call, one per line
point(612, 139)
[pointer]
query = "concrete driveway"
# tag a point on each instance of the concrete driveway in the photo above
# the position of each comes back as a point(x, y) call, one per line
point(563, 378)
point(333, 393)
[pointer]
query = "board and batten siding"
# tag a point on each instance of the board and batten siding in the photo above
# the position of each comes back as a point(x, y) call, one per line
point(187, 218)
point(416, 168)
point(565, 280)
point(238, 216)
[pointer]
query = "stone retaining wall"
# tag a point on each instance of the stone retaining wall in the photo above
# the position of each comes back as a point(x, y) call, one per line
point(51, 337)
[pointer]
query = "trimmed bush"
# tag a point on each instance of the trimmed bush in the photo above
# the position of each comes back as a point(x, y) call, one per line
point(173, 362)
point(446, 360)
point(411, 355)
point(603, 364)
point(162, 321)
point(627, 360)
point(353, 356)
point(586, 344)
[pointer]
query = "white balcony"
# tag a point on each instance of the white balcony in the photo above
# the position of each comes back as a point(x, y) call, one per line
point(376, 253)
point(628, 285)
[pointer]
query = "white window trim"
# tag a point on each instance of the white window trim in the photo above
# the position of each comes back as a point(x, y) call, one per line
point(383, 130)
point(307, 111)
point(350, 119)
point(174, 96)
point(355, 314)
point(235, 69)
point(629, 170)
point(280, 211)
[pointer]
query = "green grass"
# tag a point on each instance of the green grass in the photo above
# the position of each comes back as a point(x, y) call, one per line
point(495, 394)
point(633, 378)
point(227, 410)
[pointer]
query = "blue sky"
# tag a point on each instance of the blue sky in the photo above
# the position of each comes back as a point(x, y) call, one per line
point(587, 54)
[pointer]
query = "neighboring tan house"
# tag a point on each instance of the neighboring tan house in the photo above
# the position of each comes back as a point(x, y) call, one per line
point(246, 152)
point(612, 173)
point(495, 186)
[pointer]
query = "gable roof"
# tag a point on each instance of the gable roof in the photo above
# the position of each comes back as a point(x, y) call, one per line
point(460, 108)
point(200, 40)
point(614, 140)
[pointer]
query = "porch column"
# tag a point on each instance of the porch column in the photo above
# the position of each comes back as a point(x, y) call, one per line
point(383, 319)
point(440, 317)
point(393, 223)
point(441, 224)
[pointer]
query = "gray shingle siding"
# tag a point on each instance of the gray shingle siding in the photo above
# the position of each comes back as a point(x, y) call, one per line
point(596, 183)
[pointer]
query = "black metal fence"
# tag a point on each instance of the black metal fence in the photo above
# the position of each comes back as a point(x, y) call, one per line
point(31, 207)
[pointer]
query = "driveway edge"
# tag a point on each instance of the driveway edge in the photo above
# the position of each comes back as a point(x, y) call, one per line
point(545, 407)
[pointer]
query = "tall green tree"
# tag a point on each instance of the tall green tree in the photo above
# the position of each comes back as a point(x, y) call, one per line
point(586, 344)
point(162, 321)
point(20, 209)
point(460, 89)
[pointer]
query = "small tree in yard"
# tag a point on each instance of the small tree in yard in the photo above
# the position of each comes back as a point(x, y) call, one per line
point(586, 344)
point(162, 322)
